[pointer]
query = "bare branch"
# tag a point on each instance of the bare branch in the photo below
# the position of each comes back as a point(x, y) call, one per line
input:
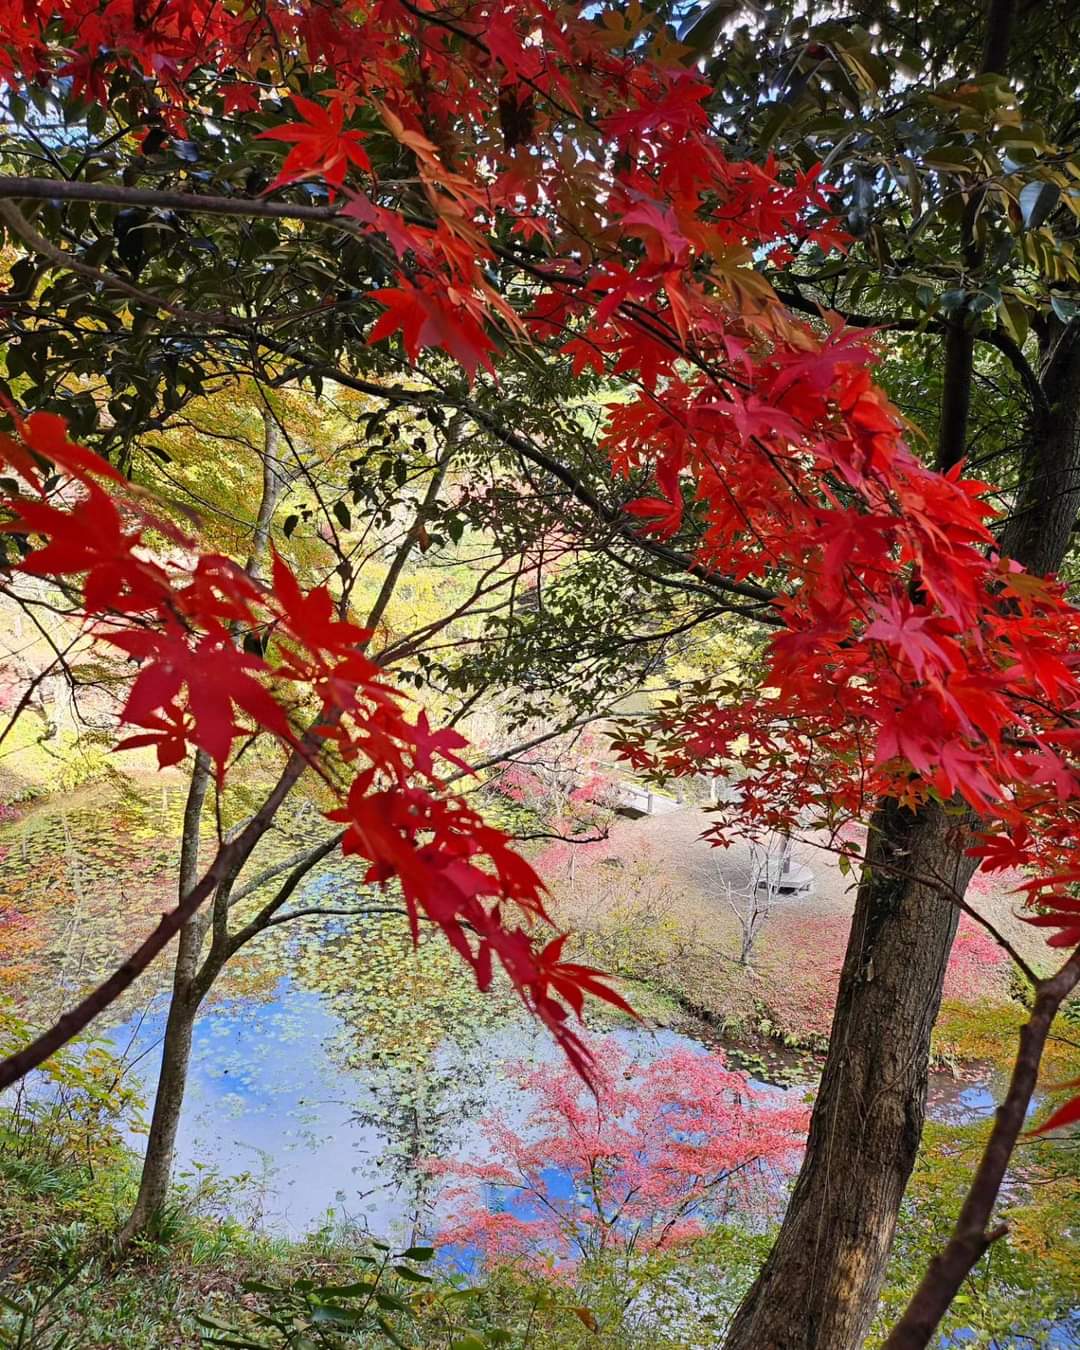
point(972, 1236)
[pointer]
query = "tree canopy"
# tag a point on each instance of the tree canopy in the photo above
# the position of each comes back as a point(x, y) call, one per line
point(474, 212)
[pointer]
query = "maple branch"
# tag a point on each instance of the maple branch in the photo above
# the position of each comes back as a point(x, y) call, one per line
point(276, 869)
point(972, 1236)
point(234, 941)
point(564, 838)
point(54, 190)
point(42, 189)
point(78, 1018)
point(51, 189)
point(954, 897)
point(528, 449)
point(303, 862)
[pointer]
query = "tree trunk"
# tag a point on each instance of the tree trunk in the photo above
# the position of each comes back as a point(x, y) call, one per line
point(183, 1005)
point(820, 1285)
point(168, 1100)
point(1039, 528)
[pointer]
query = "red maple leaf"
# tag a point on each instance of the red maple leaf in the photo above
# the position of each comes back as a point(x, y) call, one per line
point(424, 318)
point(901, 625)
point(321, 147)
point(208, 676)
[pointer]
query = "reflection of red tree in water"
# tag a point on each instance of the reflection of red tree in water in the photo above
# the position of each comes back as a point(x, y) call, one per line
point(661, 1149)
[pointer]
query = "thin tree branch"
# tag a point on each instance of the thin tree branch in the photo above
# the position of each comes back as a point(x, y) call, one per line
point(972, 1236)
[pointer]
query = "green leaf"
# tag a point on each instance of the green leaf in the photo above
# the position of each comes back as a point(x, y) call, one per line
point(1014, 319)
point(291, 523)
point(950, 159)
point(1066, 310)
point(343, 516)
point(703, 28)
point(413, 1275)
point(1037, 200)
point(418, 1254)
point(336, 1317)
point(953, 300)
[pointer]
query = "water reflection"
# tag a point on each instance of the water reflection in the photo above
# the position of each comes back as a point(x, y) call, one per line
point(305, 1141)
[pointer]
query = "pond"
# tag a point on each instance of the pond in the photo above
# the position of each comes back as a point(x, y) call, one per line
point(332, 1059)
point(307, 1142)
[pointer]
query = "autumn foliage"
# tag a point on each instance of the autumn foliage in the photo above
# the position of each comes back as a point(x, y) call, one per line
point(222, 658)
point(663, 1147)
point(572, 195)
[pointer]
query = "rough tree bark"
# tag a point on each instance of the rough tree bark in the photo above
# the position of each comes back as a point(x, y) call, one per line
point(820, 1284)
point(1040, 526)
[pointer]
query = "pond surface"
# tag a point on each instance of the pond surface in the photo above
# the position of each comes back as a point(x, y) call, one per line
point(306, 1141)
point(332, 1058)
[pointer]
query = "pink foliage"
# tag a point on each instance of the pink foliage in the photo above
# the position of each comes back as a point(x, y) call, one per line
point(806, 952)
point(518, 783)
point(571, 794)
point(662, 1148)
point(975, 960)
point(556, 858)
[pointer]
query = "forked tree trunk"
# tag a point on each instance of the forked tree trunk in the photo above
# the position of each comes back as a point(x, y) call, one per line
point(186, 995)
point(194, 975)
point(820, 1286)
point(179, 1025)
point(156, 1172)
